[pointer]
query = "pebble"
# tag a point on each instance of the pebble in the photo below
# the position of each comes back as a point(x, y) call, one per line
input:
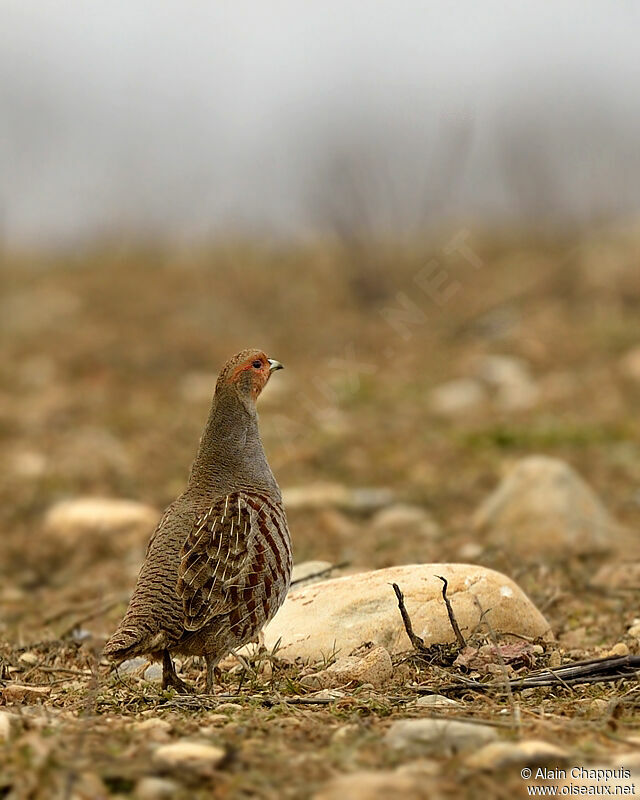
point(435, 701)
point(188, 755)
point(16, 693)
point(132, 665)
point(531, 752)
point(229, 707)
point(377, 786)
point(406, 520)
point(30, 659)
point(598, 706)
point(543, 508)
point(153, 673)
point(70, 520)
point(438, 736)
point(457, 398)
point(330, 495)
point(155, 789)
point(156, 730)
point(7, 725)
point(619, 649)
point(374, 668)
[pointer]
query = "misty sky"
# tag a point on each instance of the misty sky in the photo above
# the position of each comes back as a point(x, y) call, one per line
point(187, 118)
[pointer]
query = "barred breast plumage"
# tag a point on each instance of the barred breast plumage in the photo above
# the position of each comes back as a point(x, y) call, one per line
point(218, 565)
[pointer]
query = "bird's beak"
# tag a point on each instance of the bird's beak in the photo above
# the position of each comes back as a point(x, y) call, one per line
point(274, 365)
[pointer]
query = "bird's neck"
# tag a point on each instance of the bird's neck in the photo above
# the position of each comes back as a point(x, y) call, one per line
point(231, 456)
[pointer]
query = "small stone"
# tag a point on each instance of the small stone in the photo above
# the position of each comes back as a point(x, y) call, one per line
point(438, 736)
point(457, 397)
point(155, 789)
point(329, 495)
point(598, 707)
point(510, 380)
point(406, 520)
point(544, 508)
point(555, 660)
point(329, 694)
point(133, 666)
point(435, 701)
point(8, 723)
point(29, 659)
point(88, 786)
point(153, 673)
point(420, 767)
point(345, 732)
point(374, 669)
point(71, 520)
point(188, 755)
point(377, 786)
point(16, 693)
point(229, 707)
point(615, 575)
point(630, 364)
point(619, 649)
point(157, 730)
point(530, 752)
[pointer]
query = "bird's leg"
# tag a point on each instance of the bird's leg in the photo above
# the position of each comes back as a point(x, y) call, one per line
point(169, 676)
point(212, 672)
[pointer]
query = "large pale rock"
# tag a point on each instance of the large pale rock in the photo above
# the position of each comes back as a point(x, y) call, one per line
point(438, 736)
point(71, 520)
point(544, 508)
point(342, 613)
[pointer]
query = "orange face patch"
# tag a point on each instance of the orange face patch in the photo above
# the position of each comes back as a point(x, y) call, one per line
point(259, 376)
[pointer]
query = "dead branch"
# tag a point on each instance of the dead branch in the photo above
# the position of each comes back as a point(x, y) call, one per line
point(599, 670)
point(417, 643)
point(452, 619)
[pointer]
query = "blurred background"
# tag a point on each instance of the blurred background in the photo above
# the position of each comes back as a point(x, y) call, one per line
point(187, 121)
point(427, 212)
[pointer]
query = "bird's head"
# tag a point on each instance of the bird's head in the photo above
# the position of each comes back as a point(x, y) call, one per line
point(247, 372)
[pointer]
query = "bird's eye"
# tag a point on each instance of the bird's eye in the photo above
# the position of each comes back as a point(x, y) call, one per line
point(257, 364)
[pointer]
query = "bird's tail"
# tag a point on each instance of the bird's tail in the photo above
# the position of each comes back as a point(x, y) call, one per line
point(127, 642)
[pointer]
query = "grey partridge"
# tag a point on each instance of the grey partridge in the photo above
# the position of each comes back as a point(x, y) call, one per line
point(218, 566)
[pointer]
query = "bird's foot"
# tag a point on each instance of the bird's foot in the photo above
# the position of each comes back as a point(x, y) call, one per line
point(170, 678)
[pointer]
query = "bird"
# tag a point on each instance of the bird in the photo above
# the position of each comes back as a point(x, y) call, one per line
point(218, 565)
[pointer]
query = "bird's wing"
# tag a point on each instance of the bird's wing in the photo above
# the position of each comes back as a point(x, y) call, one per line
point(216, 554)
